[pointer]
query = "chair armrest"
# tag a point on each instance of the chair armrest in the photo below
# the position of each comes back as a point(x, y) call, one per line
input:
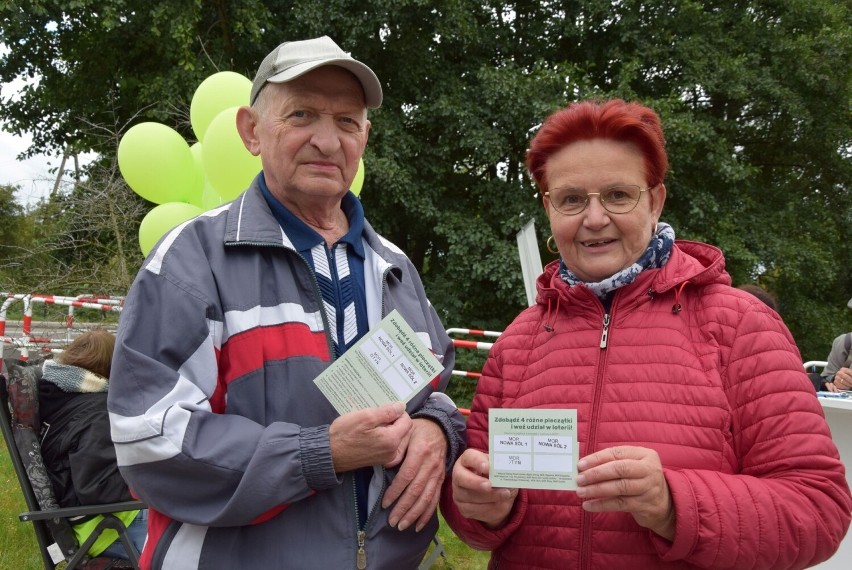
point(82, 511)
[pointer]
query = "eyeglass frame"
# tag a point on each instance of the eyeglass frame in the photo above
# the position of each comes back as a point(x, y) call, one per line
point(601, 200)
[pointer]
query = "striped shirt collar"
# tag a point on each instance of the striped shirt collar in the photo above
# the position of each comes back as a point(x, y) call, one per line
point(305, 237)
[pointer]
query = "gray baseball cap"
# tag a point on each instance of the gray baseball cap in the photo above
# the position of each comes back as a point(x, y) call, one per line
point(293, 59)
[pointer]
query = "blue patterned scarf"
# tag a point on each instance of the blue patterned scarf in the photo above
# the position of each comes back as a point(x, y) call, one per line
point(656, 255)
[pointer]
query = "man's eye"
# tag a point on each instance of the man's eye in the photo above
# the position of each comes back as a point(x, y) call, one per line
point(349, 124)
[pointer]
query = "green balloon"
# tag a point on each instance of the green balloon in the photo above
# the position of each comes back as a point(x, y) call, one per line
point(215, 94)
point(195, 197)
point(210, 198)
point(156, 163)
point(161, 219)
point(228, 165)
point(358, 181)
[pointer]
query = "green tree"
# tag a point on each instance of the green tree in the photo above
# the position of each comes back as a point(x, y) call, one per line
point(14, 233)
point(82, 241)
point(755, 98)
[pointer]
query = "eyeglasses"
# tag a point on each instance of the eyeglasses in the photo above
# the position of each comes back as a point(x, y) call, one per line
point(619, 199)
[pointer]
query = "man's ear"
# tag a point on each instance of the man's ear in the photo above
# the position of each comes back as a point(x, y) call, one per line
point(367, 125)
point(247, 127)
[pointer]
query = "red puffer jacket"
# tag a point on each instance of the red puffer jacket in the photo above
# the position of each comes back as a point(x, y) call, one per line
point(702, 373)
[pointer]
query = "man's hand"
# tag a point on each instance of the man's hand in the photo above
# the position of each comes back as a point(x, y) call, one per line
point(418, 483)
point(374, 436)
point(473, 494)
point(843, 379)
point(628, 479)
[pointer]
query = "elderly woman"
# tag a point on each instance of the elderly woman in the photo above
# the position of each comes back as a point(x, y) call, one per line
point(78, 452)
point(701, 443)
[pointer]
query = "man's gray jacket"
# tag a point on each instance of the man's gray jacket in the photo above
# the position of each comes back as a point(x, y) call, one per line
point(217, 422)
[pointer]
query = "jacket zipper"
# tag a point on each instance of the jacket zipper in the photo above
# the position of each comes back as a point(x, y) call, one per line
point(585, 540)
point(605, 331)
point(361, 533)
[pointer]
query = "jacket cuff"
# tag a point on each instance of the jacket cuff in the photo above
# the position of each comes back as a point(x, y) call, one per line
point(686, 520)
point(317, 465)
point(440, 409)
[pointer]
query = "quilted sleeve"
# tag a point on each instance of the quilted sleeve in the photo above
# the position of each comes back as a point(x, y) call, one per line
point(788, 504)
point(488, 395)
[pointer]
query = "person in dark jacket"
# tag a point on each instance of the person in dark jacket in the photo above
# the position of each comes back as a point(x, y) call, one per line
point(768, 298)
point(701, 444)
point(78, 452)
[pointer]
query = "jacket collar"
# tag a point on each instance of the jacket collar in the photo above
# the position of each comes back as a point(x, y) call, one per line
point(251, 222)
point(692, 263)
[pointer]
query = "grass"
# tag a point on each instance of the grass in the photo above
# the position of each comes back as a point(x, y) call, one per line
point(20, 549)
point(24, 554)
point(459, 555)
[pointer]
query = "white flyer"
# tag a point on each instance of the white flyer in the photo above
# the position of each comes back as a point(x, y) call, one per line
point(533, 448)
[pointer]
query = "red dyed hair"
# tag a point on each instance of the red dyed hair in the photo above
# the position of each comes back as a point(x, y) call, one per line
point(615, 120)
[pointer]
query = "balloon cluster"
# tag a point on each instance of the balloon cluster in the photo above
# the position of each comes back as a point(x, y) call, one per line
point(159, 165)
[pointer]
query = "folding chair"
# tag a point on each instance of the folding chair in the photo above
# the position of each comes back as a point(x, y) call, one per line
point(813, 368)
point(437, 551)
point(57, 542)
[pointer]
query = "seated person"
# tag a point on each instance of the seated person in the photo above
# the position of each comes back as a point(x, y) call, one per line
point(837, 374)
point(76, 445)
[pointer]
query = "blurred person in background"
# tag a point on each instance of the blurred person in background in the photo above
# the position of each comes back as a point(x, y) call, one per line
point(76, 446)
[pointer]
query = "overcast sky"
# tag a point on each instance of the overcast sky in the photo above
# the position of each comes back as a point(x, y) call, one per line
point(32, 176)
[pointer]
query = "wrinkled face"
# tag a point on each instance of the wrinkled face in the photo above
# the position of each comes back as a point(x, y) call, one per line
point(310, 133)
point(595, 244)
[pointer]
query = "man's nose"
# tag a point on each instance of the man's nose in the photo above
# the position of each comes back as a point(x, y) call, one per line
point(326, 136)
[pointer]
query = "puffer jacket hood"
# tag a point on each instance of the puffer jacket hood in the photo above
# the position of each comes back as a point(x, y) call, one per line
point(691, 264)
point(703, 264)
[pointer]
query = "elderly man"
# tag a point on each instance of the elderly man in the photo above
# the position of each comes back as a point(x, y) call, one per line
point(216, 419)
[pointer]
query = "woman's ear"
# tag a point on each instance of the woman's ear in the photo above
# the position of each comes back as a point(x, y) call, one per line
point(546, 203)
point(658, 198)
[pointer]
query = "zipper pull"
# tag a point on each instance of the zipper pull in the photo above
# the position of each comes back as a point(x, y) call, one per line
point(605, 331)
point(361, 556)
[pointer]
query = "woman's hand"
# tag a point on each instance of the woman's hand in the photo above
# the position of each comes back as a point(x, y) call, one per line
point(473, 494)
point(628, 479)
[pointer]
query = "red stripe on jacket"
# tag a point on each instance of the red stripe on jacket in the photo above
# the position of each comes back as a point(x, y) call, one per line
point(247, 351)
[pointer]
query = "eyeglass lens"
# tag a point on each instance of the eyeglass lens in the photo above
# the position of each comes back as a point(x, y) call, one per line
point(616, 199)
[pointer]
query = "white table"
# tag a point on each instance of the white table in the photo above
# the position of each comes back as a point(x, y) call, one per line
point(838, 413)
